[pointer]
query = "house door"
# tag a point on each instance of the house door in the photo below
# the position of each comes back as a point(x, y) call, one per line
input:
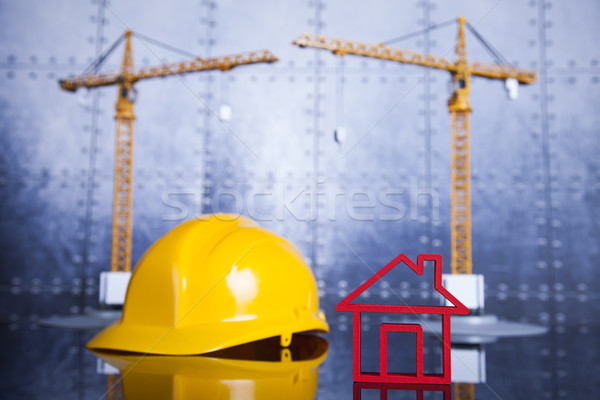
point(383, 348)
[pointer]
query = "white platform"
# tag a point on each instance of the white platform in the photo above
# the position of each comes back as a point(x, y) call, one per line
point(113, 287)
point(468, 364)
point(468, 289)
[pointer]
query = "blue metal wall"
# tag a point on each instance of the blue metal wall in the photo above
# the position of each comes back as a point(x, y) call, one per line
point(349, 208)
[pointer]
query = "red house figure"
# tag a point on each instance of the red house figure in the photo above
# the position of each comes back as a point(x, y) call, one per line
point(444, 311)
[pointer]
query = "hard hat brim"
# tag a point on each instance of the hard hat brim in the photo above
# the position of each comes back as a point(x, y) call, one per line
point(191, 340)
point(214, 364)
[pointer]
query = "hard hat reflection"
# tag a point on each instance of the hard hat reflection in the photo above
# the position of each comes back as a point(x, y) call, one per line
point(257, 370)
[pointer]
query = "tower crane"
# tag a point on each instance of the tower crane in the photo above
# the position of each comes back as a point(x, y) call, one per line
point(459, 107)
point(461, 72)
point(125, 80)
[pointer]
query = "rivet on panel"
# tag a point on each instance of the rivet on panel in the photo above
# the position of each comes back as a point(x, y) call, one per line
point(582, 287)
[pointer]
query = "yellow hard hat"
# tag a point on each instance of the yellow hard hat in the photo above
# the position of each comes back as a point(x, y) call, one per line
point(212, 283)
point(201, 377)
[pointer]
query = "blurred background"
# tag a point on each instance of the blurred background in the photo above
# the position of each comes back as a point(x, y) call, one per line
point(259, 141)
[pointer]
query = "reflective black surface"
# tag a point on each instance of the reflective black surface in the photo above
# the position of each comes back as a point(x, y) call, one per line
point(47, 363)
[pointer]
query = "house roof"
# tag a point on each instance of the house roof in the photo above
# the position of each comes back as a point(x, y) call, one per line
point(456, 308)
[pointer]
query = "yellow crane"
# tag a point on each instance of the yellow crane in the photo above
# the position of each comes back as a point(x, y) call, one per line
point(458, 105)
point(125, 79)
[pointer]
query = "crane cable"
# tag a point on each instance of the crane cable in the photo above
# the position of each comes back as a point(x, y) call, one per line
point(418, 33)
point(500, 59)
point(340, 129)
point(165, 46)
point(96, 64)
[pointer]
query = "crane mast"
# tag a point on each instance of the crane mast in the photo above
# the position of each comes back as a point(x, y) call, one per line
point(124, 120)
point(123, 194)
point(460, 170)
